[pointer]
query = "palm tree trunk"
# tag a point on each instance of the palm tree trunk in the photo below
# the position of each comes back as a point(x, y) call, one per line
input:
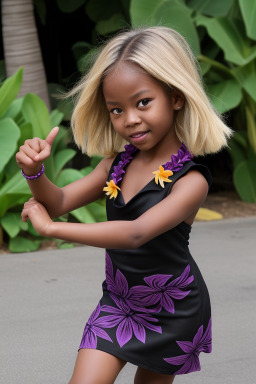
point(22, 48)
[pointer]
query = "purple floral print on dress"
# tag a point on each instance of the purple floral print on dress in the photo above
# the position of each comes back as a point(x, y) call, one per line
point(93, 330)
point(129, 322)
point(202, 342)
point(160, 292)
point(119, 289)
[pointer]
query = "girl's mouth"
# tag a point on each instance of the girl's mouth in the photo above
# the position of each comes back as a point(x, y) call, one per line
point(139, 136)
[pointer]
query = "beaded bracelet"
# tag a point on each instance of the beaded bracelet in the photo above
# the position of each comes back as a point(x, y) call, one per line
point(34, 177)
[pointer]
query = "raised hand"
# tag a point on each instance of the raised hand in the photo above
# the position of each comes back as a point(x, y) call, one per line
point(32, 154)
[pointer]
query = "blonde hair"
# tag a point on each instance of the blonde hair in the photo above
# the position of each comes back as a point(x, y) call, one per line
point(165, 55)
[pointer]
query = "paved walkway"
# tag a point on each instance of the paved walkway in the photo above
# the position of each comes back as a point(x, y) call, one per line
point(46, 298)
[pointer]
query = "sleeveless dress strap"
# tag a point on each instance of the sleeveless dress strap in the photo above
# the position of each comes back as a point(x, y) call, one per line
point(188, 167)
point(114, 163)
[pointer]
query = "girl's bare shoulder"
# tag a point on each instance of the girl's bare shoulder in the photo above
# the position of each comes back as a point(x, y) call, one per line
point(106, 163)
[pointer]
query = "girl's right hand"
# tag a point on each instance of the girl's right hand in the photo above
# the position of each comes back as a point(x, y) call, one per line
point(34, 151)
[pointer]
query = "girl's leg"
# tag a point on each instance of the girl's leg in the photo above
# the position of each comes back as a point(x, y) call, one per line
point(96, 367)
point(144, 376)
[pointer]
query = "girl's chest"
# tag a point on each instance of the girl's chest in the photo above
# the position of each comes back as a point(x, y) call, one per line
point(136, 178)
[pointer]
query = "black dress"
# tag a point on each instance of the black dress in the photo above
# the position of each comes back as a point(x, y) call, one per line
point(155, 310)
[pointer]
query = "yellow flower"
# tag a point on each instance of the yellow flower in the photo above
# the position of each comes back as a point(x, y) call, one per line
point(111, 189)
point(162, 176)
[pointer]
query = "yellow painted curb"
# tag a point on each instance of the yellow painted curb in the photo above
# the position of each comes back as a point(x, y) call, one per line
point(205, 214)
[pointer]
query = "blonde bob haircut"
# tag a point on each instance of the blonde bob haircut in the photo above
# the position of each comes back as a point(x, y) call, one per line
point(164, 55)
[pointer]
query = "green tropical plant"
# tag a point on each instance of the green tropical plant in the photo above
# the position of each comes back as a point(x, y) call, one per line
point(21, 119)
point(222, 35)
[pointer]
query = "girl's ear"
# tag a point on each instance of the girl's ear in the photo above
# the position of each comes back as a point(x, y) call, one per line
point(178, 99)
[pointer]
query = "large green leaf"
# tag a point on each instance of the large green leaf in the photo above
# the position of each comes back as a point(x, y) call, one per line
point(62, 157)
point(114, 23)
point(244, 183)
point(17, 184)
point(83, 215)
point(86, 170)
point(21, 244)
point(99, 10)
point(251, 127)
point(69, 6)
point(14, 108)
point(216, 8)
point(56, 117)
point(61, 140)
point(172, 14)
point(237, 152)
point(12, 200)
point(9, 90)
point(248, 9)
point(230, 36)
point(225, 95)
point(25, 133)
point(98, 210)
point(247, 77)
point(11, 223)
point(143, 11)
point(9, 135)
point(241, 138)
point(10, 169)
point(35, 112)
point(68, 176)
point(14, 192)
point(91, 213)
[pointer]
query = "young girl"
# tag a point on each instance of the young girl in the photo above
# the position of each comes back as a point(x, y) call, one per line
point(143, 89)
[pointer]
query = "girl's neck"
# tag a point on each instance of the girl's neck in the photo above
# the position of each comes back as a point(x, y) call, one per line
point(160, 153)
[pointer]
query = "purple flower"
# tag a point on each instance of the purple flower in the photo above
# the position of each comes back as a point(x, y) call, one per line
point(177, 161)
point(93, 329)
point(129, 322)
point(160, 292)
point(119, 289)
point(190, 361)
point(125, 159)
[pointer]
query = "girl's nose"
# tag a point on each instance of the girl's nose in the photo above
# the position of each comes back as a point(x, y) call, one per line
point(132, 118)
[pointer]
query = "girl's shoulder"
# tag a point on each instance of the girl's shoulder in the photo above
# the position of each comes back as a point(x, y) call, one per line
point(197, 168)
point(107, 162)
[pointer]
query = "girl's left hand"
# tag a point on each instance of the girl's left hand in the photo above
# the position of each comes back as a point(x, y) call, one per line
point(37, 214)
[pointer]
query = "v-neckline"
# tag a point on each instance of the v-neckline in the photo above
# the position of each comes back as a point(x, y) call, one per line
point(175, 164)
point(142, 189)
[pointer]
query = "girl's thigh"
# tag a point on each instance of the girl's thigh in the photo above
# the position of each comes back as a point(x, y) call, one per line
point(96, 367)
point(144, 376)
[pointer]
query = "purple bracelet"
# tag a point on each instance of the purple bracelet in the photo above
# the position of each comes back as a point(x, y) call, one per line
point(34, 177)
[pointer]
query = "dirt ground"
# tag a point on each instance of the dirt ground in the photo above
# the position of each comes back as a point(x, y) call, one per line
point(227, 203)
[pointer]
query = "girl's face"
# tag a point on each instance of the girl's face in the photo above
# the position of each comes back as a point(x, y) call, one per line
point(141, 110)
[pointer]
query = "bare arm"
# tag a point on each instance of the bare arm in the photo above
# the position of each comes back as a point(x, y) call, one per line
point(58, 201)
point(175, 208)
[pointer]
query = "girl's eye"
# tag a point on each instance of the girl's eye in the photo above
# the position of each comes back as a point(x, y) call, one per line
point(143, 103)
point(116, 111)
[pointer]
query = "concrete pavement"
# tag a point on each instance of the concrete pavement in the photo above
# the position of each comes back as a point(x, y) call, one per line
point(46, 298)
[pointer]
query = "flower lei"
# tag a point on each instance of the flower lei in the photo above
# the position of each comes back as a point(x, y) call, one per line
point(175, 164)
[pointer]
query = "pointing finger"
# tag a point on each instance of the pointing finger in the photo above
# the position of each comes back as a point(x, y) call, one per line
point(52, 135)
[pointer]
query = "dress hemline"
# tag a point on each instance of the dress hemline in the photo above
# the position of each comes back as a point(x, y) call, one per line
point(133, 362)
